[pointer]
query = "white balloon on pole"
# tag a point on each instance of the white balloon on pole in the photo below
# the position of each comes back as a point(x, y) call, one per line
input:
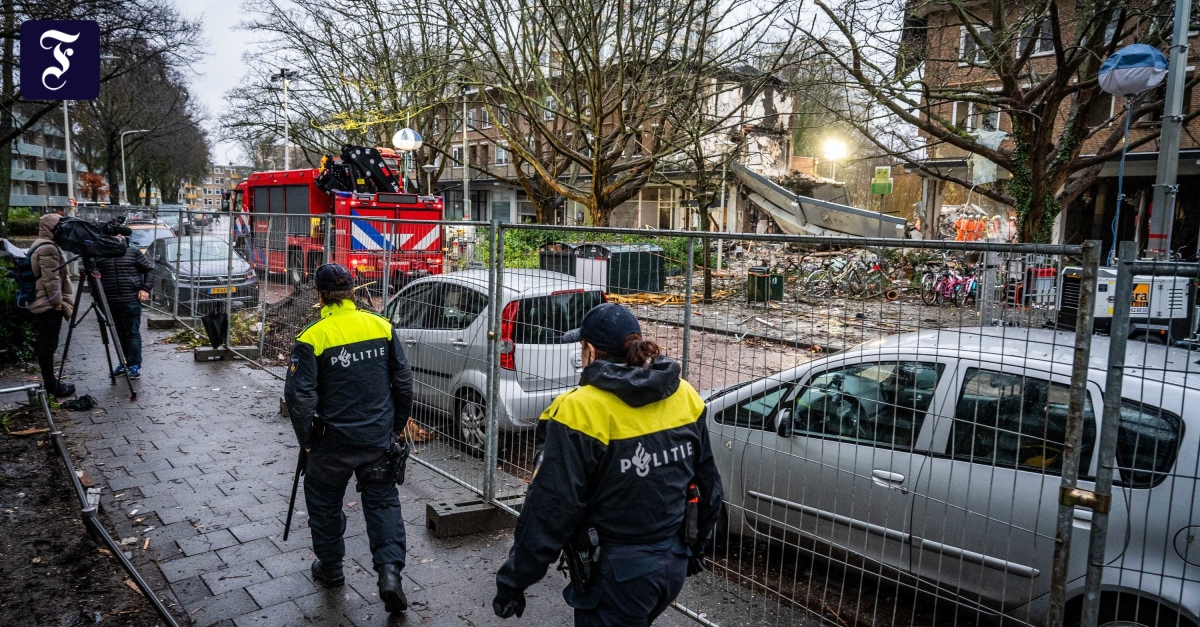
point(406, 140)
point(1133, 70)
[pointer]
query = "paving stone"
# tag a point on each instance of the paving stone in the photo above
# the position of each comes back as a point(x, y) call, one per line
point(254, 550)
point(124, 482)
point(232, 577)
point(229, 504)
point(281, 589)
point(282, 564)
point(258, 529)
point(174, 531)
point(327, 606)
point(212, 521)
point(207, 542)
point(273, 509)
point(209, 478)
point(181, 472)
point(283, 615)
point(214, 610)
point(184, 567)
point(148, 466)
point(189, 592)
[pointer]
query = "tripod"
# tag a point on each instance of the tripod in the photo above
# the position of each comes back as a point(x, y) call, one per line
point(104, 318)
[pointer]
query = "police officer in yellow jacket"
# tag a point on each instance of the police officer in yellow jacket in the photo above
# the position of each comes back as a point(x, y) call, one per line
point(349, 394)
point(621, 453)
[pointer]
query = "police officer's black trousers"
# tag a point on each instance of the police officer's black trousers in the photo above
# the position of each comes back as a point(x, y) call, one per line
point(331, 466)
point(636, 584)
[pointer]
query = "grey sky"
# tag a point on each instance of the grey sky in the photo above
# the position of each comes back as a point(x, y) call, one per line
point(221, 69)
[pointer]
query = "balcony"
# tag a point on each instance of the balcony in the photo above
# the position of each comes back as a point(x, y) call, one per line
point(56, 177)
point(26, 200)
point(56, 153)
point(29, 150)
point(22, 174)
point(58, 201)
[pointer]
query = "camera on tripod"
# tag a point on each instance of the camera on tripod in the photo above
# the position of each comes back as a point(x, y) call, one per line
point(92, 240)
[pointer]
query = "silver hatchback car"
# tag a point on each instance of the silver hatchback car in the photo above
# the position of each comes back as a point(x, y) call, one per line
point(443, 322)
point(935, 458)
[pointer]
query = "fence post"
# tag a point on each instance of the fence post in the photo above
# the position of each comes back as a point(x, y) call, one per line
point(229, 289)
point(178, 252)
point(264, 286)
point(328, 247)
point(496, 283)
point(385, 271)
point(1106, 451)
point(1074, 435)
point(689, 269)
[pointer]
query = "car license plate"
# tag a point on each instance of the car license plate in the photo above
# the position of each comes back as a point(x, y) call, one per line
point(366, 268)
point(222, 290)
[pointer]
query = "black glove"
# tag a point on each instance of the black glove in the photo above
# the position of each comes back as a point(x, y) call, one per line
point(695, 564)
point(508, 602)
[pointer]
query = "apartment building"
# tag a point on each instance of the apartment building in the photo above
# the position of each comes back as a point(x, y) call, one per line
point(953, 62)
point(206, 193)
point(39, 169)
point(762, 126)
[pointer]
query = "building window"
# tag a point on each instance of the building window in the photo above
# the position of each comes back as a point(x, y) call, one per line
point(551, 104)
point(1100, 111)
point(501, 155)
point(968, 116)
point(208, 180)
point(473, 155)
point(29, 137)
point(471, 118)
point(219, 181)
point(456, 156)
point(502, 116)
point(969, 52)
point(1159, 94)
point(208, 201)
point(485, 117)
point(436, 125)
point(1044, 42)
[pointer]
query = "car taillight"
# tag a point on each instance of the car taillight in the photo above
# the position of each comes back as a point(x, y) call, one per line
point(579, 291)
point(508, 324)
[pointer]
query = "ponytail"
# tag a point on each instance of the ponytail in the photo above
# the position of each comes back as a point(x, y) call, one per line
point(639, 352)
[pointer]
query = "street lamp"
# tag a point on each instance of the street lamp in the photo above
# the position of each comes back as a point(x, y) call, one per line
point(124, 191)
point(407, 141)
point(285, 75)
point(429, 169)
point(834, 149)
point(466, 163)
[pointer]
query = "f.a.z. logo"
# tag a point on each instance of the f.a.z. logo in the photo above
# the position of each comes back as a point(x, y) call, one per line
point(60, 60)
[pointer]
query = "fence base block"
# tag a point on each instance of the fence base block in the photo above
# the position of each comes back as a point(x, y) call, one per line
point(204, 353)
point(447, 519)
point(162, 323)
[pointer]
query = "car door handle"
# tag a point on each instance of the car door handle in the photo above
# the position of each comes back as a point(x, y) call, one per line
point(459, 343)
point(887, 479)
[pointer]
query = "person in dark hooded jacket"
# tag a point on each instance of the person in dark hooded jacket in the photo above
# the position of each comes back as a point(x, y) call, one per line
point(126, 283)
point(620, 452)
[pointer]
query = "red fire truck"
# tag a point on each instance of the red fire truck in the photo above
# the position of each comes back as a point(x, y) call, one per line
point(291, 240)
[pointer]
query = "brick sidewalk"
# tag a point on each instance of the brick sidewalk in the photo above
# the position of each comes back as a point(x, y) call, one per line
point(204, 461)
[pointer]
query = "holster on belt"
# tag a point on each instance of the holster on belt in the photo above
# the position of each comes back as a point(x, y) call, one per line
point(581, 558)
point(389, 468)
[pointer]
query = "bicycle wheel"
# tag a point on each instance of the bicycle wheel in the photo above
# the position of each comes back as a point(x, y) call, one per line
point(929, 288)
point(819, 284)
point(966, 292)
point(852, 284)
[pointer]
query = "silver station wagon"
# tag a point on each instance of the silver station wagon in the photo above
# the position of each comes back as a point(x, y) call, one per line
point(934, 458)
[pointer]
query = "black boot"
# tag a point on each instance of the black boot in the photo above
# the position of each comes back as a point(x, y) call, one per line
point(390, 589)
point(64, 390)
point(328, 575)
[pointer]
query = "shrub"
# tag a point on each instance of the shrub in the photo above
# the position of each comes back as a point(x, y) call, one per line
point(22, 222)
point(16, 327)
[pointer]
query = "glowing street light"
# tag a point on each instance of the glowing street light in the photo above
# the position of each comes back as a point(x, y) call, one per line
point(834, 149)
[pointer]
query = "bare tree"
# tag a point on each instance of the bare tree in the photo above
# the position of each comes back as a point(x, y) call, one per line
point(593, 88)
point(365, 70)
point(132, 33)
point(1029, 68)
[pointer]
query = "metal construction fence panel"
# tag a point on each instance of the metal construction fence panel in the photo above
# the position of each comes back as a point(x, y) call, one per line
point(1144, 561)
point(891, 419)
point(908, 432)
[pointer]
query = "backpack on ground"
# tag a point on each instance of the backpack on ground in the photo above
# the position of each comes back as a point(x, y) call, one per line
point(22, 273)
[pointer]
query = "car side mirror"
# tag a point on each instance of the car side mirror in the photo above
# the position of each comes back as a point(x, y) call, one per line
point(783, 423)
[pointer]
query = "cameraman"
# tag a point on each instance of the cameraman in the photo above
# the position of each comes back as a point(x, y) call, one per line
point(53, 302)
point(126, 282)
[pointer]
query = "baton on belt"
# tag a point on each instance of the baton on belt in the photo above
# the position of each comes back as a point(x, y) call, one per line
point(300, 463)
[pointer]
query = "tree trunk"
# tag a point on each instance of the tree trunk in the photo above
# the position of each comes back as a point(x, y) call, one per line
point(6, 118)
